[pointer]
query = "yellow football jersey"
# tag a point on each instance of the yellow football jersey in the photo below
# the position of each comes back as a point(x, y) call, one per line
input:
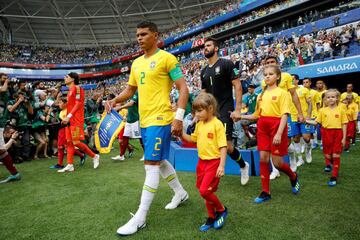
point(332, 118)
point(315, 100)
point(355, 96)
point(210, 137)
point(274, 103)
point(154, 77)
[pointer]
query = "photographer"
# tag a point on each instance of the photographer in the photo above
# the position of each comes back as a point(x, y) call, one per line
point(4, 98)
point(9, 135)
point(92, 110)
point(19, 111)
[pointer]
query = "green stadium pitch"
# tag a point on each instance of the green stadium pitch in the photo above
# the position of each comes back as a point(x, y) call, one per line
point(92, 204)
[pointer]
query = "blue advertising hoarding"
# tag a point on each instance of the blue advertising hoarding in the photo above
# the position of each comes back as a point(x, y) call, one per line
point(328, 68)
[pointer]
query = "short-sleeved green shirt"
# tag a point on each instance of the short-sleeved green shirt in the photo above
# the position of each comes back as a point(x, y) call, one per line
point(133, 111)
point(4, 98)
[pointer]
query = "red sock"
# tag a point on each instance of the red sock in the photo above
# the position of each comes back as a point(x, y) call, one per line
point(84, 148)
point(284, 167)
point(336, 167)
point(347, 143)
point(265, 176)
point(210, 209)
point(327, 161)
point(8, 162)
point(61, 155)
point(70, 152)
point(125, 145)
point(212, 199)
point(78, 153)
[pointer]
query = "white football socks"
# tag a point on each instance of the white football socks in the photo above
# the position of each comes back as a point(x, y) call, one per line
point(150, 187)
point(168, 172)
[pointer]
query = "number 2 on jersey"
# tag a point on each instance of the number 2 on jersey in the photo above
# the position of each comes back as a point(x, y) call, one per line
point(158, 142)
point(142, 76)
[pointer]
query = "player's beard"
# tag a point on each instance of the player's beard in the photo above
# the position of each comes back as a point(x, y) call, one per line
point(209, 54)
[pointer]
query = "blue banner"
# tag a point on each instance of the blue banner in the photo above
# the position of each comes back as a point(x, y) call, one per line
point(107, 131)
point(328, 68)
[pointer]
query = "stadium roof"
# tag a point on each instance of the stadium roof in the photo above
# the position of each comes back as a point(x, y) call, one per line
point(80, 23)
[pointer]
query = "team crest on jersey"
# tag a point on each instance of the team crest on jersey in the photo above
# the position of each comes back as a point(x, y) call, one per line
point(337, 115)
point(274, 98)
point(152, 65)
point(210, 135)
point(217, 70)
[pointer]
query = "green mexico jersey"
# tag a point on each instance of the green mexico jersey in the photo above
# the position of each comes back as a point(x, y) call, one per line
point(4, 98)
point(251, 103)
point(133, 111)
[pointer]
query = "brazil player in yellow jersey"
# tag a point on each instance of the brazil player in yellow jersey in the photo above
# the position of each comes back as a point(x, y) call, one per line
point(153, 75)
point(297, 129)
point(315, 103)
point(321, 89)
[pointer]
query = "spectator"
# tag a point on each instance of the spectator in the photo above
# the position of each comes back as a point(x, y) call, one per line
point(19, 112)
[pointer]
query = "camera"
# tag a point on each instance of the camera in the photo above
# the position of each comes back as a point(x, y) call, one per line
point(14, 80)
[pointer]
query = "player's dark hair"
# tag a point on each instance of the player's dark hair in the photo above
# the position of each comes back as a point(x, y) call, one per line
point(211, 39)
point(147, 24)
point(272, 57)
point(307, 78)
point(2, 74)
point(63, 99)
point(75, 76)
point(295, 76)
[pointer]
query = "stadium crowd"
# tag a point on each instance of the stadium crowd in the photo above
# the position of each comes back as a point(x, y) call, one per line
point(305, 18)
point(47, 55)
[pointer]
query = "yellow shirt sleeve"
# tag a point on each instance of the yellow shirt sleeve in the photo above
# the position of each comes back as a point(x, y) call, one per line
point(220, 135)
point(132, 78)
point(344, 118)
point(319, 117)
point(355, 108)
point(284, 103)
point(195, 133)
point(288, 81)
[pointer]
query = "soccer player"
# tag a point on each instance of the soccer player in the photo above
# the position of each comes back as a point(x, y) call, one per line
point(315, 103)
point(218, 78)
point(153, 75)
point(301, 129)
point(132, 126)
point(349, 90)
point(75, 117)
point(321, 89)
